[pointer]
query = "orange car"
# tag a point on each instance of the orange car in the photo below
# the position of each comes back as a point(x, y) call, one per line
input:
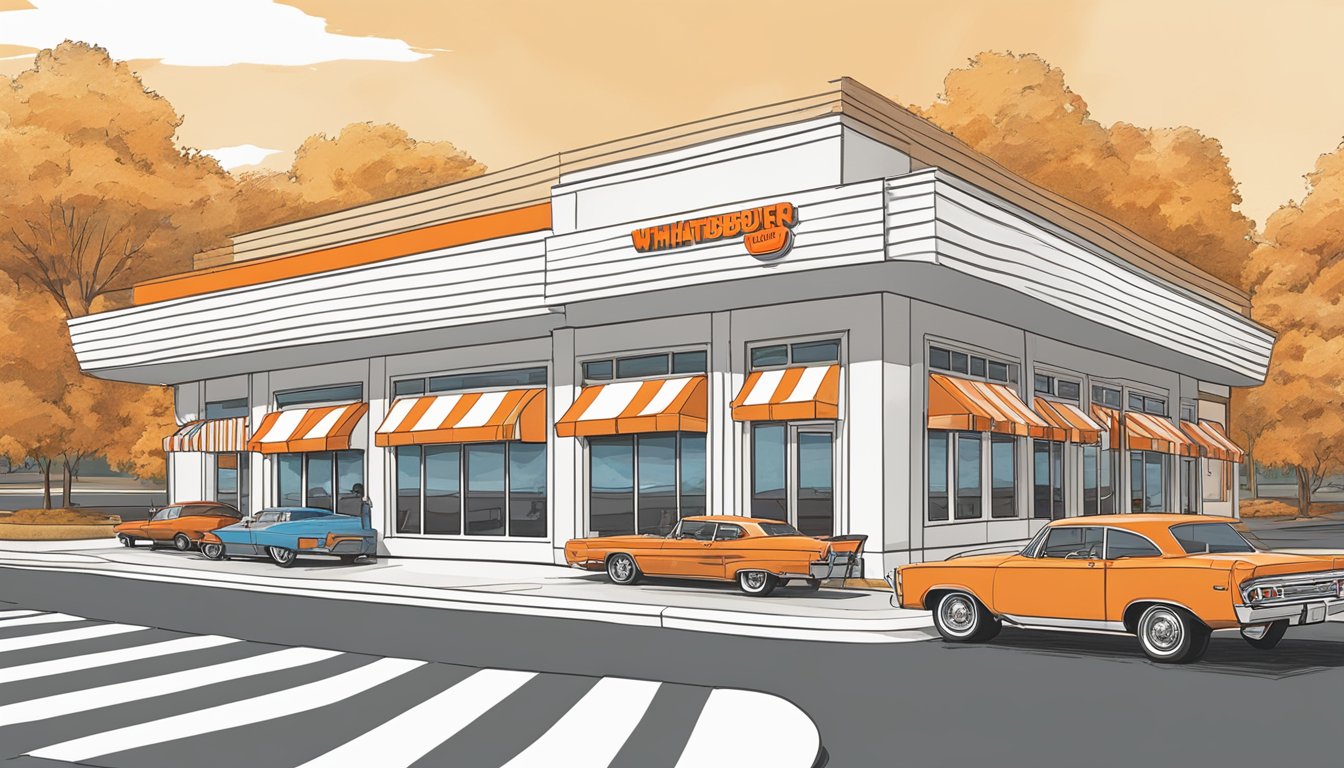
point(758, 554)
point(1170, 579)
point(181, 525)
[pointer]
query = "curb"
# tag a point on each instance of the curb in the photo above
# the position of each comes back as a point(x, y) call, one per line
point(868, 630)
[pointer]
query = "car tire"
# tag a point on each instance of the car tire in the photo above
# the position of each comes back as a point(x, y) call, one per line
point(282, 557)
point(960, 618)
point(622, 569)
point(126, 541)
point(212, 551)
point(1273, 634)
point(1171, 635)
point(756, 583)
point(811, 585)
point(181, 543)
point(349, 559)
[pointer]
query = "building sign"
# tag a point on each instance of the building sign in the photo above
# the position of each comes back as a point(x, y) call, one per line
point(767, 231)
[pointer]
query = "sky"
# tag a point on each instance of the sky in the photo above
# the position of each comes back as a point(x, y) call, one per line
point(509, 81)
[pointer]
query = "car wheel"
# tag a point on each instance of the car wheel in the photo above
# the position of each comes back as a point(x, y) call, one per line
point(621, 569)
point(1171, 635)
point(213, 551)
point(126, 541)
point(281, 556)
point(349, 559)
point(1265, 636)
point(181, 543)
point(756, 583)
point(811, 585)
point(960, 618)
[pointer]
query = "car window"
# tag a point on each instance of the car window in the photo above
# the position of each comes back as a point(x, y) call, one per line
point(1125, 544)
point(167, 513)
point(1073, 541)
point(779, 529)
point(1201, 538)
point(197, 510)
point(1033, 547)
point(698, 530)
point(728, 532)
point(272, 516)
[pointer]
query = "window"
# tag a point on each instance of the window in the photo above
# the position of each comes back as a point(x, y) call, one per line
point(512, 378)
point(473, 489)
point(943, 359)
point(641, 367)
point(341, 393)
point(769, 458)
point(1003, 474)
point(695, 530)
point(1187, 411)
point(690, 362)
point(779, 529)
point(1125, 544)
point(167, 513)
point(797, 353)
point(729, 532)
point(1200, 538)
point(226, 409)
point(1048, 479)
point(1065, 389)
point(408, 387)
point(969, 502)
point(1190, 490)
point(331, 480)
point(635, 481)
point(1073, 541)
point(599, 370)
point(1107, 396)
point(939, 450)
point(1044, 385)
point(646, 366)
point(1099, 473)
point(1147, 404)
point(231, 484)
point(1147, 481)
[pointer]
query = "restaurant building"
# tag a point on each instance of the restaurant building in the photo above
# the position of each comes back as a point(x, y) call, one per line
point(826, 311)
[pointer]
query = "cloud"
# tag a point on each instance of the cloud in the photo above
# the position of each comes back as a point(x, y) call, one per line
point(200, 33)
point(243, 154)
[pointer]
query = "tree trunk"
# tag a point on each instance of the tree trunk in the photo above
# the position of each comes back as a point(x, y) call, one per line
point(1303, 492)
point(46, 483)
point(68, 481)
point(1252, 477)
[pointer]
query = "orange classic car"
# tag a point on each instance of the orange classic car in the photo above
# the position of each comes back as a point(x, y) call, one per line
point(1169, 579)
point(758, 554)
point(182, 525)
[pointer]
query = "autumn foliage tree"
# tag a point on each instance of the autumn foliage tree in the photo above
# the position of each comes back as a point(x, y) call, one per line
point(1171, 186)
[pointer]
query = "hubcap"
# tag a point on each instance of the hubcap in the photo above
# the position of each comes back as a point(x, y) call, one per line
point(755, 580)
point(283, 555)
point(958, 614)
point(210, 550)
point(1164, 631)
point(621, 568)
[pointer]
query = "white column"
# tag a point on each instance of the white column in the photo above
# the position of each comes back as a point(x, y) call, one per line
point(860, 487)
point(898, 458)
point(259, 474)
point(565, 478)
point(378, 465)
point(724, 491)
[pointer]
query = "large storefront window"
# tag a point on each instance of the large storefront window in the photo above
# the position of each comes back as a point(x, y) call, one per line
point(968, 474)
point(325, 480)
point(940, 448)
point(1190, 486)
point(635, 481)
point(769, 463)
point(473, 489)
point(957, 474)
point(1147, 481)
point(1003, 474)
point(1048, 480)
point(793, 475)
point(231, 484)
point(1099, 474)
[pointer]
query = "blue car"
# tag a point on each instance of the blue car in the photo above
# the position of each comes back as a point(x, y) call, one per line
point(283, 533)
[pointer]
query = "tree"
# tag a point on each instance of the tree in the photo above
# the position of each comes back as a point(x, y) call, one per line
point(1172, 186)
point(1253, 413)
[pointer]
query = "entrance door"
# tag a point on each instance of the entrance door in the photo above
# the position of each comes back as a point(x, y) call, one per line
point(793, 475)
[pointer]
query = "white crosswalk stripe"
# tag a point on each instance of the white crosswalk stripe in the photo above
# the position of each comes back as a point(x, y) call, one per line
point(596, 727)
point(108, 658)
point(15, 614)
point(45, 618)
point(414, 733)
point(246, 712)
point(65, 636)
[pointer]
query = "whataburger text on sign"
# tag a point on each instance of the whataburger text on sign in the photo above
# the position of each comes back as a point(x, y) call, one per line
point(767, 231)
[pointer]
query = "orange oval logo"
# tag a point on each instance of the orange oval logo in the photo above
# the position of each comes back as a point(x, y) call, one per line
point(769, 243)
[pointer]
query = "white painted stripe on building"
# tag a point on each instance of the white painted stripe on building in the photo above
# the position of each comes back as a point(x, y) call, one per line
point(108, 658)
point(612, 400)
point(729, 713)
point(162, 685)
point(284, 426)
point(397, 414)
point(328, 421)
point(480, 412)
point(44, 618)
point(406, 738)
point(433, 418)
point(764, 391)
point(808, 384)
point(65, 636)
point(232, 715)
point(664, 397)
point(596, 727)
point(4, 615)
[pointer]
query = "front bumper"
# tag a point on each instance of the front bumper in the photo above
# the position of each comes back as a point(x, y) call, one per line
point(1308, 612)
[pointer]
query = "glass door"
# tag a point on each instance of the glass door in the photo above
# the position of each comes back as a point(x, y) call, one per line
point(793, 475)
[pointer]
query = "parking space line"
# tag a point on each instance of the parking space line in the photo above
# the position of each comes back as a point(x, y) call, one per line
point(108, 658)
point(596, 727)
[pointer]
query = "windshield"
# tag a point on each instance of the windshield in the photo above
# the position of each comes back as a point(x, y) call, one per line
point(779, 529)
point(1205, 538)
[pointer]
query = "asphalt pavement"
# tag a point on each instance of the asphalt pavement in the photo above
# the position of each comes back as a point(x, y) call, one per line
point(1027, 698)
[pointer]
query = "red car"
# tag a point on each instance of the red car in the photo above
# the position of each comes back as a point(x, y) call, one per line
point(182, 525)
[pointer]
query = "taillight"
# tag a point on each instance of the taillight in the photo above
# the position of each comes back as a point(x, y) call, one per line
point(1271, 593)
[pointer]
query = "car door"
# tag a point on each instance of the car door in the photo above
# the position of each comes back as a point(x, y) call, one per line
point(1064, 579)
point(160, 526)
point(690, 553)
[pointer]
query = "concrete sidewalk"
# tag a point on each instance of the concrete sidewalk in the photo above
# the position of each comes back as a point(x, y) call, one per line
point(827, 615)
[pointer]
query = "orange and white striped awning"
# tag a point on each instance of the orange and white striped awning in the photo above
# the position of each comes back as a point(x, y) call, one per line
point(982, 406)
point(1213, 440)
point(790, 394)
point(298, 430)
point(465, 417)
point(1109, 419)
point(209, 436)
point(630, 407)
point(1080, 427)
point(1146, 432)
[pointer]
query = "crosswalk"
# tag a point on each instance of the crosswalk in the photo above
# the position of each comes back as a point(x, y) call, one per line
point(94, 693)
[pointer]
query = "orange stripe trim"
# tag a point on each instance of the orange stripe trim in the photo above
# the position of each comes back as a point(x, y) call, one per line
point(532, 218)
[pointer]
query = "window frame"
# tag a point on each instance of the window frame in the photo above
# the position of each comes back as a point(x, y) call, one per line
point(987, 362)
point(462, 491)
point(1104, 387)
point(789, 342)
point(229, 408)
point(308, 397)
point(614, 358)
point(986, 441)
point(335, 477)
point(426, 377)
point(634, 479)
